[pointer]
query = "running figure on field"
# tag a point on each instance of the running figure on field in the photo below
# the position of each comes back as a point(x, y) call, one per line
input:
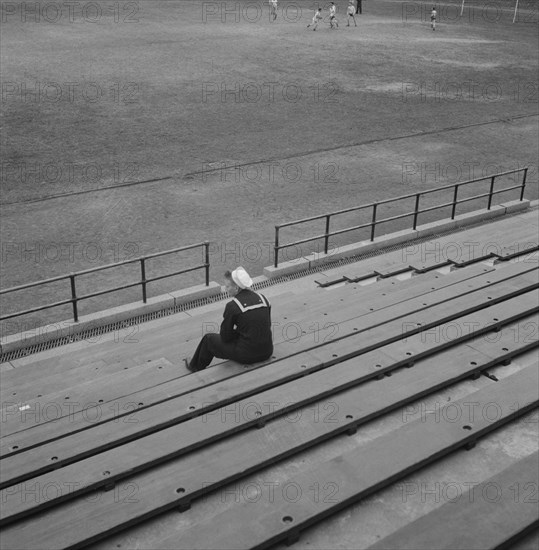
point(350, 12)
point(333, 23)
point(273, 9)
point(433, 18)
point(316, 19)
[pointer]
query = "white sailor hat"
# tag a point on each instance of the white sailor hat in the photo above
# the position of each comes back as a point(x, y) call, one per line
point(241, 278)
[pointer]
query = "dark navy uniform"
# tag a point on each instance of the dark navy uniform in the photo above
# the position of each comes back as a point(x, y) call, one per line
point(245, 334)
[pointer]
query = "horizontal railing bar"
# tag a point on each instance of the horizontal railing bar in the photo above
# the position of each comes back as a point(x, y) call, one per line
point(386, 201)
point(312, 218)
point(431, 208)
point(134, 260)
point(72, 276)
point(301, 242)
point(374, 222)
point(101, 268)
point(158, 278)
point(450, 186)
point(33, 310)
point(36, 283)
point(506, 189)
point(107, 291)
point(182, 249)
point(100, 293)
point(399, 216)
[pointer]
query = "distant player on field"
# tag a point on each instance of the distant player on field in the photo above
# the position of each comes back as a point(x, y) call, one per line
point(273, 9)
point(433, 18)
point(350, 12)
point(333, 23)
point(316, 19)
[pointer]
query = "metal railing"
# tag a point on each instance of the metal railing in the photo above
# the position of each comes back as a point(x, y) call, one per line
point(74, 300)
point(415, 213)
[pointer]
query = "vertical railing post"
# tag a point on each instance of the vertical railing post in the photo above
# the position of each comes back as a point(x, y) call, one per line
point(416, 210)
point(143, 278)
point(207, 261)
point(523, 184)
point(373, 221)
point(326, 238)
point(276, 247)
point(74, 297)
point(454, 201)
point(490, 192)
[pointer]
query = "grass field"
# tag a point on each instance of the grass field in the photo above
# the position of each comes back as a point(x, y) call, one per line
point(134, 127)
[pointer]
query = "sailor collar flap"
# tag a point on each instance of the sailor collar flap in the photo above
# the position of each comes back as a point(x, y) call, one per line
point(245, 306)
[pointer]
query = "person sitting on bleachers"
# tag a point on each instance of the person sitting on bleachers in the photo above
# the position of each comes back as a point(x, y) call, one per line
point(246, 333)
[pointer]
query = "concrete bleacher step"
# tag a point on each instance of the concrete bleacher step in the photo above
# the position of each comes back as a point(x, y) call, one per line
point(17, 376)
point(318, 304)
point(492, 514)
point(108, 346)
point(357, 473)
point(165, 337)
point(480, 243)
point(337, 378)
point(354, 406)
point(66, 402)
point(359, 300)
point(416, 259)
point(503, 254)
point(165, 332)
point(389, 357)
point(25, 377)
point(81, 445)
point(366, 351)
point(461, 248)
point(47, 385)
point(376, 457)
point(526, 252)
point(470, 301)
point(72, 419)
point(390, 264)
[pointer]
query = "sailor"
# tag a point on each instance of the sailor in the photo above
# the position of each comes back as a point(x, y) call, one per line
point(246, 333)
